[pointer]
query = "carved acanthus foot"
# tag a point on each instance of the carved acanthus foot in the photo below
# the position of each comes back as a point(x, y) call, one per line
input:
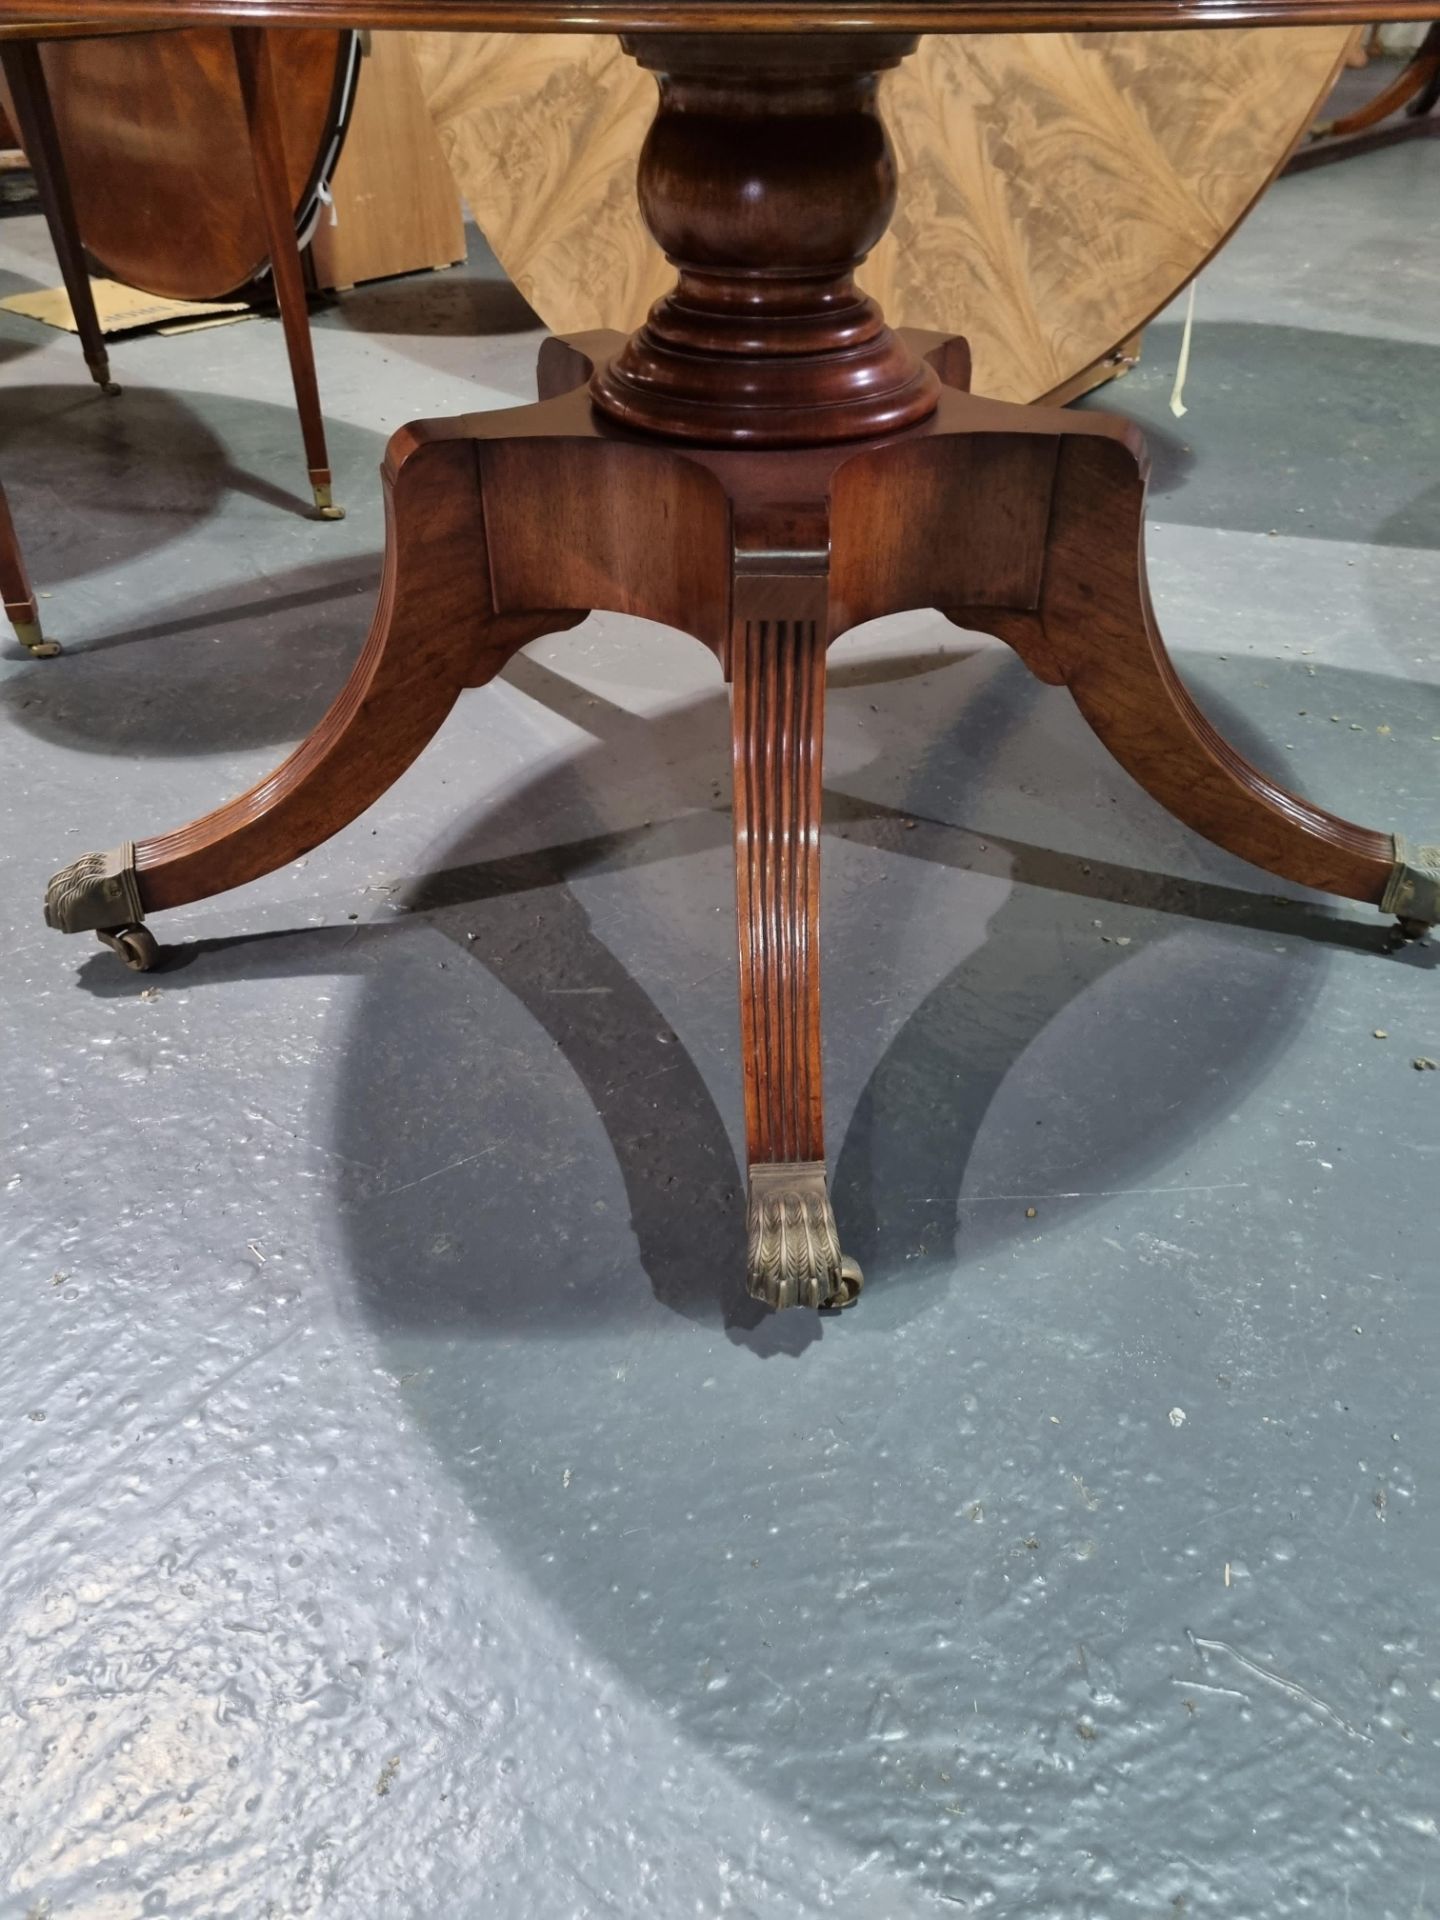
point(794, 1251)
point(99, 890)
point(1413, 894)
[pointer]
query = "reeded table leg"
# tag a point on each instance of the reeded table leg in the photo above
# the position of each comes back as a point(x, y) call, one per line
point(777, 666)
point(764, 465)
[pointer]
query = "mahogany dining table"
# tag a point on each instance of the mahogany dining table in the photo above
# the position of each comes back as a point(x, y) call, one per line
point(763, 465)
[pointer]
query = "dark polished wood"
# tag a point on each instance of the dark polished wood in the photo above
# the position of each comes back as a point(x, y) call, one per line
point(260, 90)
point(157, 148)
point(507, 523)
point(766, 177)
point(1403, 110)
point(1415, 87)
point(725, 16)
point(21, 607)
point(511, 523)
point(1093, 630)
point(39, 135)
point(427, 641)
point(799, 470)
point(139, 144)
point(777, 668)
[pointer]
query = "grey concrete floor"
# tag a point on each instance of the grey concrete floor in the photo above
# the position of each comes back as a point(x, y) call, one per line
point(403, 1515)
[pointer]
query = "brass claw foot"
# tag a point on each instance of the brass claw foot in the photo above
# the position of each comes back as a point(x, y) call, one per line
point(97, 890)
point(100, 893)
point(1413, 894)
point(794, 1257)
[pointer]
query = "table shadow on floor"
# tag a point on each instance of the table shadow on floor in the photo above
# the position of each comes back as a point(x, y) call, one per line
point(858, 1578)
point(498, 953)
point(778, 1556)
point(1326, 436)
point(222, 669)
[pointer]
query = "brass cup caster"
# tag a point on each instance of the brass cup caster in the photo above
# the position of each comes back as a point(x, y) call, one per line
point(100, 374)
point(135, 944)
point(325, 507)
point(28, 633)
point(1413, 891)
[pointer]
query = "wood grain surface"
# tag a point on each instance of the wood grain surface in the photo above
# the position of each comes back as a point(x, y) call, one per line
point(157, 151)
point(1055, 190)
point(711, 16)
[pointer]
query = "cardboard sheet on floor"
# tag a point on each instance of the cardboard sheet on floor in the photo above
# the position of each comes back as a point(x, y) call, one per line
point(125, 310)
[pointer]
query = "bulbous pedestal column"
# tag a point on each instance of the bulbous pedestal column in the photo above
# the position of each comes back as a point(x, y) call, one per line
point(767, 177)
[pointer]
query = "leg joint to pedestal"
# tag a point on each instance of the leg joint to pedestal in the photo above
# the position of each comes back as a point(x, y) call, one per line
point(779, 587)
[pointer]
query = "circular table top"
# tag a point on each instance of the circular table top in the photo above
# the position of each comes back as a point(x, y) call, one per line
point(709, 16)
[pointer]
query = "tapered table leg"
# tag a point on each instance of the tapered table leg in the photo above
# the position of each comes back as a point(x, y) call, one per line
point(254, 57)
point(25, 73)
point(21, 608)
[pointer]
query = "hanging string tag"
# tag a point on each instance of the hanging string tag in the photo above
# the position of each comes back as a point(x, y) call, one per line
point(327, 199)
point(1182, 365)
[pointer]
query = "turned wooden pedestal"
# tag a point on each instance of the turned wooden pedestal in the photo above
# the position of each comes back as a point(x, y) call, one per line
point(764, 465)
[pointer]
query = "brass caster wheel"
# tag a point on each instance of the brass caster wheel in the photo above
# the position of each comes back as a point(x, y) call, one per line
point(1404, 931)
point(325, 507)
point(848, 1291)
point(136, 946)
